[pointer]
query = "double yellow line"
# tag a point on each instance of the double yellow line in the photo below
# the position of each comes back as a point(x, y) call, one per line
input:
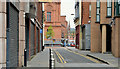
point(62, 60)
point(85, 56)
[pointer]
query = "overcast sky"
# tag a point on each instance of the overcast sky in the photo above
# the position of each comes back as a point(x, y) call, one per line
point(67, 8)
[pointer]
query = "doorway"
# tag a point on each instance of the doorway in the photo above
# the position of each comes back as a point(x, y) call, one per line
point(108, 38)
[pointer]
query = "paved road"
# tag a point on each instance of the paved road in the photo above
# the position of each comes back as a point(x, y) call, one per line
point(70, 57)
point(64, 55)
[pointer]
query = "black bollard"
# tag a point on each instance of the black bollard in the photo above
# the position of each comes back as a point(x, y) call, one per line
point(25, 57)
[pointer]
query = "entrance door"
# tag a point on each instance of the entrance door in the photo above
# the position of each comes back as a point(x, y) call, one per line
point(108, 39)
point(12, 36)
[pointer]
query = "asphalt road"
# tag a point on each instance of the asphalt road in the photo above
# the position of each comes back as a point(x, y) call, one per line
point(65, 56)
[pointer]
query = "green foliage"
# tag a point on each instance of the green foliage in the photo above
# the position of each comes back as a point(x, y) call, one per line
point(50, 32)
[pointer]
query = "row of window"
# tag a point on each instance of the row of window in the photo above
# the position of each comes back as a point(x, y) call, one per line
point(109, 9)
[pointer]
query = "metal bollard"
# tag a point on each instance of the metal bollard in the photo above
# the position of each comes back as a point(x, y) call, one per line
point(25, 57)
point(52, 60)
point(53, 63)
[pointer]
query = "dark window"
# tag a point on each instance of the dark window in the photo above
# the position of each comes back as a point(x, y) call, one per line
point(49, 16)
point(117, 7)
point(98, 11)
point(109, 7)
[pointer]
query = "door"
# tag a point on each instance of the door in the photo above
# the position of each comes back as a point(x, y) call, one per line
point(108, 39)
point(32, 39)
point(12, 57)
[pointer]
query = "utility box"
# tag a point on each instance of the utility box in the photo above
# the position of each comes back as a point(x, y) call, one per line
point(86, 39)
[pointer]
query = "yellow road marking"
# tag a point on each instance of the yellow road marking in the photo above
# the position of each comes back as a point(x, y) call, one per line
point(60, 57)
point(84, 56)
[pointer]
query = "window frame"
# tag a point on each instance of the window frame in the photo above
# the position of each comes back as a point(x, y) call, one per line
point(109, 7)
point(99, 10)
point(116, 8)
point(48, 16)
point(90, 10)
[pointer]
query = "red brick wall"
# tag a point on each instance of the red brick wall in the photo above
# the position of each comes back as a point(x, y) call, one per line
point(54, 8)
point(85, 12)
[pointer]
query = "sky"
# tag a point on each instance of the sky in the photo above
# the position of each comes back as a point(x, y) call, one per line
point(67, 8)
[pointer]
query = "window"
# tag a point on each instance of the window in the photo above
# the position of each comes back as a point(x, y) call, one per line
point(90, 10)
point(109, 8)
point(98, 11)
point(49, 16)
point(117, 8)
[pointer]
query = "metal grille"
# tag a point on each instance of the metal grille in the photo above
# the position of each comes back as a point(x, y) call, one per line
point(32, 38)
point(37, 31)
point(12, 36)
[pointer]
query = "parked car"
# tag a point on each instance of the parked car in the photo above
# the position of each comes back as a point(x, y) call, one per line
point(72, 44)
point(68, 44)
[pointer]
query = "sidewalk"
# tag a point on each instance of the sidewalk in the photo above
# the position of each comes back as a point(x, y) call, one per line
point(40, 60)
point(108, 58)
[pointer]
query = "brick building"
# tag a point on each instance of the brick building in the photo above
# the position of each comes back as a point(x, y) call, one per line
point(85, 26)
point(105, 27)
point(58, 22)
point(82, 22)
point(19, 29)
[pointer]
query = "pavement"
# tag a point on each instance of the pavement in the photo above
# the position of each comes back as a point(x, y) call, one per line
point(107, 58)
point(40, 60)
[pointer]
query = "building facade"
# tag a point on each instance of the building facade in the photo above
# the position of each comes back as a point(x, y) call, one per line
point(58, 22)
point(82, 21)
point(16, 31)
point(77, 21)
point(85, 25)
point(105, 27)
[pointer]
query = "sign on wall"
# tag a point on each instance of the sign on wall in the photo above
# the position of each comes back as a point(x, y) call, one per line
point(41, 30)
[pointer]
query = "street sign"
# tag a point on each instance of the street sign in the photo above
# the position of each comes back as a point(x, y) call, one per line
point(41, 30)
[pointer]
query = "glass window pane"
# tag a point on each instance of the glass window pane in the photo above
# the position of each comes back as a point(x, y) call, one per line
point(109, 3)
point(109, 11)
point(98, 10)
point(98, 18)
point(98, 3)
point(48, 16)
point(118, 1)
point(119, 9)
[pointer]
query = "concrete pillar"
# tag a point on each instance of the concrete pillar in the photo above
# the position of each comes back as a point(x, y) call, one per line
point(2, 34)
point(21, 34)
point(103, 38)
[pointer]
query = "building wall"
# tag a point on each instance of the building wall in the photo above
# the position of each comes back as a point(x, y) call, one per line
point(99, 30)
point(95, 31)
point(56, 20)
point(85, 12)
point(3, 20)
point(3, 34)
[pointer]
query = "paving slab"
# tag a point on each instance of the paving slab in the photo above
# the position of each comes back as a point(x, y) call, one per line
point(40, 60)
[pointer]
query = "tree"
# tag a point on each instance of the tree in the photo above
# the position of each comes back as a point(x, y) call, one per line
point(50, 32)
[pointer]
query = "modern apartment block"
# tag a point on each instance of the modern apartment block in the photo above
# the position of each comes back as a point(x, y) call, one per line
point(105, 27)
point(20, 30)
point(58, 22)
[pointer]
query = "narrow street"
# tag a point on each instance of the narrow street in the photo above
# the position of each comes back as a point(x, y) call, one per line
point(67, 58)
point(60, 34)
